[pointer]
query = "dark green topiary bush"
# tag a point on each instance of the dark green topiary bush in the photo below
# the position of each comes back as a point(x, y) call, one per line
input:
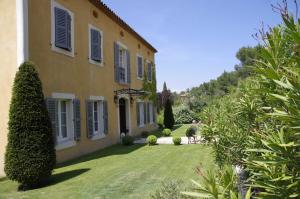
point(191, 131)
point(151, 140)
point(177, 140)
point(168, 115)
point(127, 140)
point(30, 153)
point(166, 132)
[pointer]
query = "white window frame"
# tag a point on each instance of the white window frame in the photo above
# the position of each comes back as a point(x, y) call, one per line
point(100, 103)
point(123, 48)
point(54, 4)
point(69, 141)
point(148, 62)
point(91, 27)
point(137, 67)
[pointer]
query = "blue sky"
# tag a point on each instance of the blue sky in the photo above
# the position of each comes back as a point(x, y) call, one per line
point(196, 39)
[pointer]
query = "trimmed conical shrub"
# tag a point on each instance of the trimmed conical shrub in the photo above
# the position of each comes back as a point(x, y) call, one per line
point(168, 115)
point(30, 153)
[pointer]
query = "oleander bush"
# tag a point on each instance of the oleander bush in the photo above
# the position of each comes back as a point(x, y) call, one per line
point(30, 153)
point(177, 140)
point(127, 140)
point(152, 140)
point(256, 127)
point(183, 115)
point(166, 132)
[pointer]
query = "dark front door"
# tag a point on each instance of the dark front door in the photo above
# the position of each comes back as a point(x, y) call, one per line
point(122, 113)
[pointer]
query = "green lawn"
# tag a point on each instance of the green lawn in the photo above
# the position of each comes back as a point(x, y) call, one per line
point(119, 172)
point(177, 131)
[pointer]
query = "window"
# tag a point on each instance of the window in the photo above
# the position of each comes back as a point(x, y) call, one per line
point(97, 117)
point(64, 112)
point(95, 45)
point(150, 112)
point(142, 119)
point(122, 63)
point(62, 29)
point(140, 68)
point(149, 71)
point(145, 113)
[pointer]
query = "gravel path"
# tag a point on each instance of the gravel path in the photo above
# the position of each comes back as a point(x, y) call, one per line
point(162, 140)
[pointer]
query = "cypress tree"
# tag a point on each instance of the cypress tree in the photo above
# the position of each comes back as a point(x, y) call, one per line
point(168, 115)
point(30, 153)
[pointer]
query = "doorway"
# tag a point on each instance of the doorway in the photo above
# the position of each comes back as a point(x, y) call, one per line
point(122, 115)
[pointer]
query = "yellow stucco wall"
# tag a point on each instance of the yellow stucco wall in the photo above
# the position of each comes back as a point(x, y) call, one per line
point(65, 74)
point(8, 67)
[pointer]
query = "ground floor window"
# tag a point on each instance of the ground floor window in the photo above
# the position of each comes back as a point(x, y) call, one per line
point(64, 112)
point(64, 118)
point(98, 117)
point(145, 113)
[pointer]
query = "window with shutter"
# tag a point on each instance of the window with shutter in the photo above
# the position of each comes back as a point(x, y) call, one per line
point(97, 119)
point(122, 64)
point(149, 71)
point(140, 70)
point(95, 49)
point(62, 35)
point(140, 114)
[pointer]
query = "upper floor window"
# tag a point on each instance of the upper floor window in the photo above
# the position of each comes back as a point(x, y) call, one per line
point(62, 29)
point(149, 71)
point(122, 63)
point(95, 45)
point(140, 68)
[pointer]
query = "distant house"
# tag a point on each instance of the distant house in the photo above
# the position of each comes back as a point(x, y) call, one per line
point(91, 64)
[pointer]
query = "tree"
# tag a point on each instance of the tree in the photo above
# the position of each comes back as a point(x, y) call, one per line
point(30, 153)
point(168, 115)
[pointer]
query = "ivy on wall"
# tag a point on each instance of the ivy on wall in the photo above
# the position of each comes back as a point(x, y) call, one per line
point(150, 86)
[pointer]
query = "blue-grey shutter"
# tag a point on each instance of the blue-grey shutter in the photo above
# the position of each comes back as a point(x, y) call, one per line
point(149, 69)
point(117, 64)
point(140, 67)
point(69, 34)
point(154, 114)
point(95, 45)
point(62, 23)
point(138, 114)
point(77, 119)
point(128, 67)
point(148, 108)
point(105, 116)
point(145, 112)
point(89, 118)
point(52, 107)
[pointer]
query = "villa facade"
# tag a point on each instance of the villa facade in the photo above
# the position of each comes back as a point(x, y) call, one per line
point(91, 64)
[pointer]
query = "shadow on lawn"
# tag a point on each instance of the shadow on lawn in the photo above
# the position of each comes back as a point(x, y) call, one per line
point(64, 176)
point(109, 151)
